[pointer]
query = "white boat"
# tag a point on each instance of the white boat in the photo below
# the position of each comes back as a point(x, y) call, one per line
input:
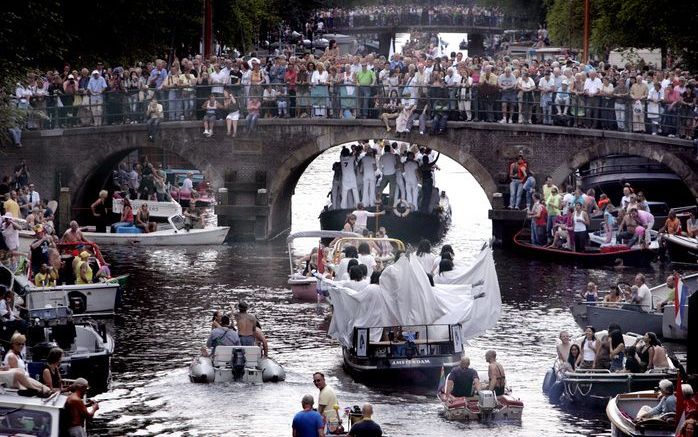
point(484, 407)
point(599, 238)
point(305, 287)
point(156, 209)
point(94, 299)
point(236, 363)
point(622, 411)
point(32, 416)
point(174, 235)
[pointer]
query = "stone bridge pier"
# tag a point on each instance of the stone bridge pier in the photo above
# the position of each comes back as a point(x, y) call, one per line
point(260, 171)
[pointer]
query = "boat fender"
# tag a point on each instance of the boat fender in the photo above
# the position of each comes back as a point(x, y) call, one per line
point(549, 380)
point(402, 209)
point(556, 391)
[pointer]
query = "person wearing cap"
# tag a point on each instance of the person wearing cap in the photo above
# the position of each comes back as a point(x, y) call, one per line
point(77, 411)
point(70, 90)
point(667, 402)
point(81, 268)
point(95, 88)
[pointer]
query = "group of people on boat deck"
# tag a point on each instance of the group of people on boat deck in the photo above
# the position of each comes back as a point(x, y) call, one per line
point(463, 381)
point(325, 418)
point(365, 169)
point(610, 352)
point(563, 220)
point(248, 333)
point(14, 374)
point(637, 297)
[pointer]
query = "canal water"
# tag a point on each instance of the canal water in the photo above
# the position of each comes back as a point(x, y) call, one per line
point(173, 291)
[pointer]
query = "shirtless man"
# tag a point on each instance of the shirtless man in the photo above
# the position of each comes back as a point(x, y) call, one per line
point(74, 234)
point(248, 328)
point(563, 348)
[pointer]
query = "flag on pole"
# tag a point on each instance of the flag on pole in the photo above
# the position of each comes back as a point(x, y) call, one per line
point(680, 301)
point(442, 382)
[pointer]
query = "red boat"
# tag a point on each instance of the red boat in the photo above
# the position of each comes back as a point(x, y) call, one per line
point(608, 256)
point(483, 407)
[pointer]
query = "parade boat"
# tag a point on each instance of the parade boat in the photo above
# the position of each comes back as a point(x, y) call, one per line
point(32, 416)
point(631, 318)
point(235, 363)
point(175, 178)
point(592, 256)
point(484, 407)
point(95, 299)
point(400, 222)
point(176, 234)
point(87, 347)
point(622, 411)
point(405, 331)
point(596, 386)
point(599, 238)
point(304, 287)
point(682, 249)
point(158, 210)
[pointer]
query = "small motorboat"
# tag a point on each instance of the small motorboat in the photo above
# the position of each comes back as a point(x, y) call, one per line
point(484, 407)
point(596, 386)
point(601, 239)
point(305, 287)
point(593, 256)
point(235, 363)
point(682, 249)
point(176, 234)
point(100, 298)
point(622, 411)
point(631, 319)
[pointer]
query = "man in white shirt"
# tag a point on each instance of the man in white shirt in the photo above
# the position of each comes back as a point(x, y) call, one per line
point(187, 184)
point(507, 84)
point(362, 217)
point(546, 85)
point(388, 163)
point(644, 296)
point(592, 86)
point(411, 167)
point(368, 167)
point(33, 198)
point(452, 82)
point(348, 163)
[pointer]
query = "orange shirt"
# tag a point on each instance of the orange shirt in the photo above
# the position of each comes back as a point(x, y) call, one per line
point(673, 227)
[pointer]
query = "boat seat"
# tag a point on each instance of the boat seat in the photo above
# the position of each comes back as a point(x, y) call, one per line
point(224, 355)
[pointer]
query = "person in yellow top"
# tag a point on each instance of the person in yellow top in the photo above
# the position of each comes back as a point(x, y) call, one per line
point(78, 261)
point(84, 275)
point(11, 204)
point(553, 203)
point(46, 277)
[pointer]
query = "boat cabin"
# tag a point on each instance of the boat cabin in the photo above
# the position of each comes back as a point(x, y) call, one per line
point(31, 416)
point(407, 342)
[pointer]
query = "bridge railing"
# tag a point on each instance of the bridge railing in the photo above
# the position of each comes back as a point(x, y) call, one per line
point(381, 102)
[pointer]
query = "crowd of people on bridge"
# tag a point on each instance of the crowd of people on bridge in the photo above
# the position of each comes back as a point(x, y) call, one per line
point(412, 14)
point(420, 86)
point(365, 169)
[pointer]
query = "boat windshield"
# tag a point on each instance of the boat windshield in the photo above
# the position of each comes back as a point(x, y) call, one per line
point(22, 421)
point(177, 222)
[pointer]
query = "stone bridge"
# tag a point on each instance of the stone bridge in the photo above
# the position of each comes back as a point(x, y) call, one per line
point(260, 171)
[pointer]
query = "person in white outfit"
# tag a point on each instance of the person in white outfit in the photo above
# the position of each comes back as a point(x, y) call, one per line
point(348, 162)
point(410, 169)
point(399, 184)
point(368, 167)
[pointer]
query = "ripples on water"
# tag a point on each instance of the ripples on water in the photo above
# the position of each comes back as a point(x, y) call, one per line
point(172, 292)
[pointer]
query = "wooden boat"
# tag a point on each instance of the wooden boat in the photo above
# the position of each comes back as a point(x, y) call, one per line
point(595, 387)
point(174, 235)
point(682, 249)
point(305, 287)
point(608, 256)
point(622, 412)
point(632, 319)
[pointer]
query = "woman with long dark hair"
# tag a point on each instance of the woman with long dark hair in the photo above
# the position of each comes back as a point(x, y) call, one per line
point(616, 346)
point(424, 256)
point(588, 356)
point(573, 356)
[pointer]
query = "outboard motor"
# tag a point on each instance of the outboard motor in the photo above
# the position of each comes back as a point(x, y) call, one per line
point(238, 364)
point(487, 401)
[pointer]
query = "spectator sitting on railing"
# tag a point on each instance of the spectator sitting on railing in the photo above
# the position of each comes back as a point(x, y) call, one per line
point(253, 107)
point(154, 115)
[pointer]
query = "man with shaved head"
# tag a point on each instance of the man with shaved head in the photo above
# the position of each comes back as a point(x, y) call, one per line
point(463, 381)
point(366, 427)
point(308, 422)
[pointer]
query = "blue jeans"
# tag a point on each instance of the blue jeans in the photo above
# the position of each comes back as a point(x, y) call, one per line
point(515, 193)
point(549, 227)
point(365, 94)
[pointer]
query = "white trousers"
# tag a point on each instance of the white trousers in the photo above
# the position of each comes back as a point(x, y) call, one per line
point(369, 192)
point(412, 188)
point(345, 196)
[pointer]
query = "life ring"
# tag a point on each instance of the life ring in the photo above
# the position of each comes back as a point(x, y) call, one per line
point(405, 208)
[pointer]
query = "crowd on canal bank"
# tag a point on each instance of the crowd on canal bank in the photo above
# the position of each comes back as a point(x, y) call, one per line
point(437, 87)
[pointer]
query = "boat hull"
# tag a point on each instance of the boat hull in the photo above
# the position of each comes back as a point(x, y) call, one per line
point(420, 370)
point(622, 409)
point(595, 389)
point(634, 257)
point(601, 317)
point(413, 227)
point(305, 289)
point(508, 408)
point(98, 299)
point(682, 249)
point(194, 237)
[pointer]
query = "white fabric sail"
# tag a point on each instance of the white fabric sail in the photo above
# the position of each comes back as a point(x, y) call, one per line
point(405, 297)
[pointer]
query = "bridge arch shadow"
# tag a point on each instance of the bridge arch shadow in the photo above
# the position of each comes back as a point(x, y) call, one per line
point(294, 165)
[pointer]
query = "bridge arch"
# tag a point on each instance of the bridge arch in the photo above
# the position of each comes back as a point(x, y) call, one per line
point(294, 165)
point(581, 157)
